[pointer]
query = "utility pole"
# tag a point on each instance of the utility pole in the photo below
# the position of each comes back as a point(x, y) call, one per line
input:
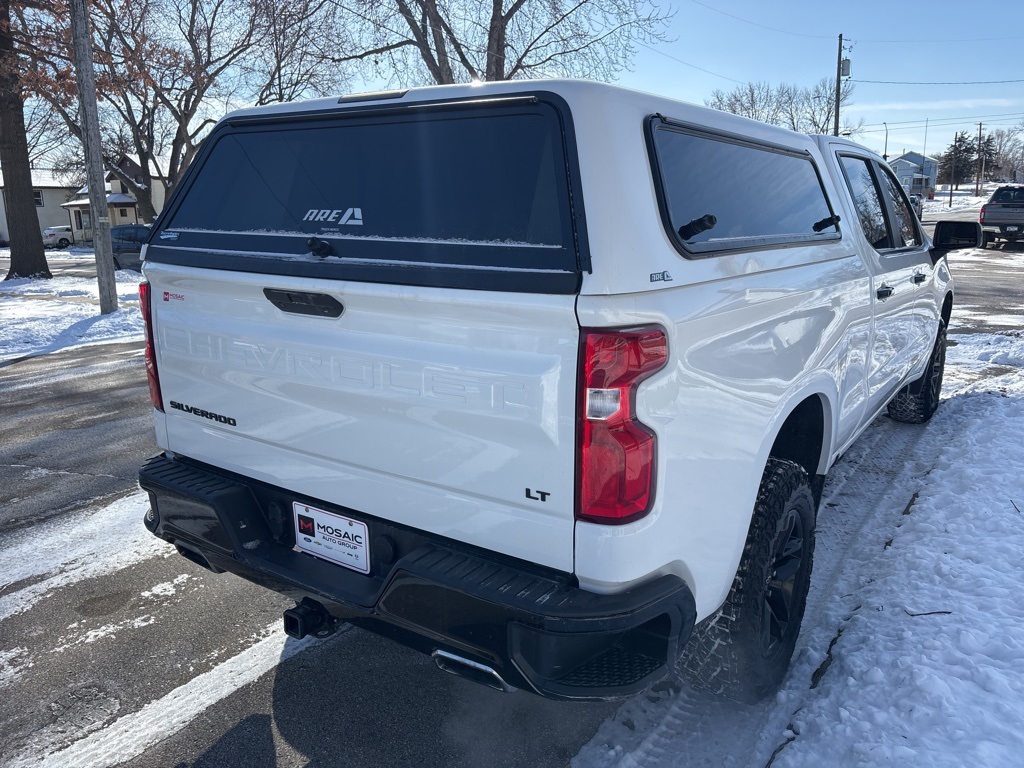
point(839, 87)
point(924, 165)
point(977, 179)
point(952, 173)
point(85, 77)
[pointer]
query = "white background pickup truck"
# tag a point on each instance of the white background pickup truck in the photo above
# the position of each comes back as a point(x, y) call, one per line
point(540, 378)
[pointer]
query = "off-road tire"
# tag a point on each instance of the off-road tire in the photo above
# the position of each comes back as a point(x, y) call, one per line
point(63, 243)
point(742, 652)
point(916, 402)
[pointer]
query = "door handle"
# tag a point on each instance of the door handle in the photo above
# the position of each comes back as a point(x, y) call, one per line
point(884, 292)
point(919, 277)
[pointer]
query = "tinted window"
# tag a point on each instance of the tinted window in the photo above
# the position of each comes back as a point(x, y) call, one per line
point(457, 178)
point(904, 228)
point(720, 194)
point(1008, 195)
point(867, 200)
point(472, 195)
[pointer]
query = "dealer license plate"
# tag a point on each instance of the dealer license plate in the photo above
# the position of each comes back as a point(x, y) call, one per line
point(331, 537)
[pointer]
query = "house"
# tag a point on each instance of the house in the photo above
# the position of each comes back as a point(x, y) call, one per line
point(121, 202)
point(50, 194)
point(919, 174)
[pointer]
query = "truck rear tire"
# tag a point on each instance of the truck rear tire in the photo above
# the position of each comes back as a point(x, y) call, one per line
point(916, 402)
point(742, 652)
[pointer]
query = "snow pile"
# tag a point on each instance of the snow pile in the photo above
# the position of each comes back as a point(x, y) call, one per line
point(941, 203)
point(39, 316)
point(926, 671)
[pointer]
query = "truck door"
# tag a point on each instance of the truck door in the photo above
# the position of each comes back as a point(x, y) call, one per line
point(895, 265)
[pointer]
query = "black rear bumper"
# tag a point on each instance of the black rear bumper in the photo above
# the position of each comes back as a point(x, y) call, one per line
point(534, 627)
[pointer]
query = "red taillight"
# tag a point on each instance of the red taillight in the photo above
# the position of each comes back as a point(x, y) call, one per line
point(147, 316)
point(982, 216)
point(617, 452)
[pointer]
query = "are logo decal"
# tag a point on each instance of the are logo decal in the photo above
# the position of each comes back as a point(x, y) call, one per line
point(350, 216)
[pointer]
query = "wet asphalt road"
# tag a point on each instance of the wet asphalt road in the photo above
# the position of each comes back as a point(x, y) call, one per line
point(87, 656)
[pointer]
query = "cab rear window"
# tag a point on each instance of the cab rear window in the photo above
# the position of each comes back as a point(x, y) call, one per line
point(420, 196)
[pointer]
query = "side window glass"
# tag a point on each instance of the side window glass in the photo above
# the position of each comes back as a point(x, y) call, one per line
point(868, 201)
point(905, 230)
point(721, 194)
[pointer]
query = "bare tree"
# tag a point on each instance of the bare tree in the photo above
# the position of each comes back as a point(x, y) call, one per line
point(27, 257)
point(295, 57)
point(758, 101)
point(808, 110)
point(416, 41)
point(166, 67)
point(1007, 148)
point(48, 136)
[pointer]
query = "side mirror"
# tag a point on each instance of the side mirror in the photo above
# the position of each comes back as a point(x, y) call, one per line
point(951, 235)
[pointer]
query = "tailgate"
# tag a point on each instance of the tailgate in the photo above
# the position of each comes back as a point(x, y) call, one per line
point(443, 410)
point(397, 337)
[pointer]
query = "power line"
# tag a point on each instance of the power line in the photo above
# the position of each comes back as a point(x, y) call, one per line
point(937, 124)
point(952, 40)
point(963, 82)
point(762, 26)
point(694, 66)
point(965, 118)
point(852, 40)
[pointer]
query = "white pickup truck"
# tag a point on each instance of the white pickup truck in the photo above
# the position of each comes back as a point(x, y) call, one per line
point(540, 378)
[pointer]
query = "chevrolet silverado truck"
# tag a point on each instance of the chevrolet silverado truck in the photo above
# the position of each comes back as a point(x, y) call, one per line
point(1002, 217)
point(542, 379)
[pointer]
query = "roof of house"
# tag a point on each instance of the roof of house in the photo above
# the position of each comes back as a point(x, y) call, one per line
point(43, 179)
point(914, 154)
point(116, 198)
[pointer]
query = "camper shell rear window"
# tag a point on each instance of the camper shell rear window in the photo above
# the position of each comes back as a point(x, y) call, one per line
point(465, 195)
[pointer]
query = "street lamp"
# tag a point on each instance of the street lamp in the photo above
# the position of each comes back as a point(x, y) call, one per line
point(885, 152)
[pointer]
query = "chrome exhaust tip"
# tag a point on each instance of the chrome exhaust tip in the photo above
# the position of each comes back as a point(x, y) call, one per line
point(471, 670)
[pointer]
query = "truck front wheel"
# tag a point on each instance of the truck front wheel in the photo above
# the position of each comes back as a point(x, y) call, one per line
point(742, 652)
point(916, 402)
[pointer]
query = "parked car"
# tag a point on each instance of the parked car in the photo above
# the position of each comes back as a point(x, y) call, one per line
point(1002, 217)
point(127, 241)
point(918, 205)
point(544, 380)
point(58, 237)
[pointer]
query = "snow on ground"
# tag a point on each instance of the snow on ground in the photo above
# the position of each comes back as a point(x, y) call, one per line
point(926, 671)
point(39, 316)
point(962, 198)
point(912, 647)
point(941, 203)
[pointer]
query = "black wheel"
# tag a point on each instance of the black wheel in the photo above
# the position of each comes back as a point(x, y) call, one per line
point(916, 402)
point(63, 243)
point(742, 652)
point(116, 264)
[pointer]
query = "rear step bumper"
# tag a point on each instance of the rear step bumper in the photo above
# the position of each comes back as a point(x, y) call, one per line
point(533, 627)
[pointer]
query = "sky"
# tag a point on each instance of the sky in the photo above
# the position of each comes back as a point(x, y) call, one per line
point(719, 44)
